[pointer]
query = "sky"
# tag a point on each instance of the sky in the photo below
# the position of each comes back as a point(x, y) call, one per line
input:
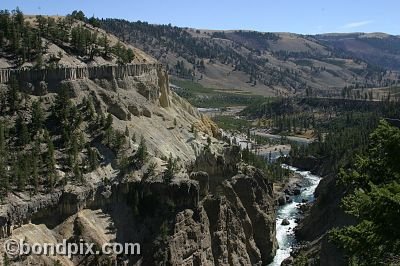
point(297, 16)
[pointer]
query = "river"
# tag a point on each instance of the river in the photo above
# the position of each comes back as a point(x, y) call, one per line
point(285, 234)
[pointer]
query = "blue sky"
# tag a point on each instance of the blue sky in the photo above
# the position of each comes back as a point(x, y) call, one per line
point(299, 16)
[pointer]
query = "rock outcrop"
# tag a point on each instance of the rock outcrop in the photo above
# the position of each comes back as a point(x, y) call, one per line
point(234, 223)
point(206, 125)
point(73, 73)
point(39, 81)
point(228, 220)
point(233, 226)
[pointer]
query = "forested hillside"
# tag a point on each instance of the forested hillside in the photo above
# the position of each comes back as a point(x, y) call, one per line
point(380, 49)
point(42, 41)
point(264, 63)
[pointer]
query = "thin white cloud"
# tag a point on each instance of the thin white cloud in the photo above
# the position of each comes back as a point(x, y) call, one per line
point(357, 24)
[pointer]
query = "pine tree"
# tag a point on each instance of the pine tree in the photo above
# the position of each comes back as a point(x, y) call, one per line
point(4, 182)
point(142, 153)
point(77, 173)
point(126, 131)
point(22, 133)
point(92, 158)
point(35, 156)
point(37, 117)
point(106, 45)
point(23, 170)
point(2, 138)
point(171, 170)
point(109, 121)
point(51, 163)
point(13, 95)
point(119, 141)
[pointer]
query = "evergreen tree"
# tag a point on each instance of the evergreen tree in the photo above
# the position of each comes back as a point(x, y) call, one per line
point(172, 168)
point(13, 95)
point(109, 121)
point(51, 164)
point(77, 173)
point(22, 133)
point(35, 157)
point(37, 117)
point(92, 158)
point(4, 181)
point(23, 171)
point(374, 200)
point(141, 153)
point(126, 131)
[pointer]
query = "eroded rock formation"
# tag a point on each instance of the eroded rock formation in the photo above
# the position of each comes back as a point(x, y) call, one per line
point(215, 212)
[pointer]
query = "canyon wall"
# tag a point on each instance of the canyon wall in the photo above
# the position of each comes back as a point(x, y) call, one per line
point(74, 73)
point(39, 81)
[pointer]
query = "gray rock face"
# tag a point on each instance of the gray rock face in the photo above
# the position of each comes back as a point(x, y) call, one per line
point(204, 182)
point(231, 225)
point(235, 228)
point(218, 216)
point(234, 223)
point(74, 73)
point(326, 213)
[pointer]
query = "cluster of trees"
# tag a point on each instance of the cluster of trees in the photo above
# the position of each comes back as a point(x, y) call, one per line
point(25, 41)
point(341, 127)
point(30, 141)
point(35, 141)
point(360, 93)
point(181, 71)
point(124, 55)
point(16, 36)
point(273, 170)
point(284, 115)
point(292, 123)
point(374, 182)
point(159, 40)
point(30, 145)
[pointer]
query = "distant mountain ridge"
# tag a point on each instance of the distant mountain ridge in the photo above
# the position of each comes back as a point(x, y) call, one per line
point(267, 63)
point(378, 48)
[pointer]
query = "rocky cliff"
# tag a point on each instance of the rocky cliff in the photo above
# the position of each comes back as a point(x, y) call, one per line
point(234, 223)
point(323, 216)
point(201, 220)
point(213, 211)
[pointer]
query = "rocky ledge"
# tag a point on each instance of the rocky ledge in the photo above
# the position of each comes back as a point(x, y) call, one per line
point(205, 218)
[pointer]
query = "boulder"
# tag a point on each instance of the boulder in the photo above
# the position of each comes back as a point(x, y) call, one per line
point(287, 261)
point(133, 109)
point(146, 111)
point(282, 200)
point(285, 222)
point(118, 111)
point(288, 191)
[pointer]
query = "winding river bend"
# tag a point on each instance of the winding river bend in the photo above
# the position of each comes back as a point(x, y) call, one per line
point(285, 234)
